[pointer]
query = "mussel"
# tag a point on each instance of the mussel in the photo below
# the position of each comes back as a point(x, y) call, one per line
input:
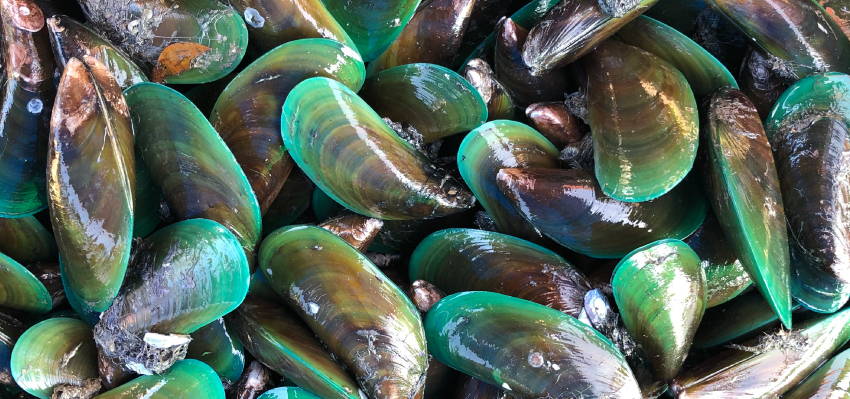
point(186, 379)
point(20, 289)
point(26, 240)
point(372, 25)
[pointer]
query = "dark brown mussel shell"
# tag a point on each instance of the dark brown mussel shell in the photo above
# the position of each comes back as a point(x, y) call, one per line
point(184, 277)
point(291, 203)
point(574, 27)
point(247, 114)
point(473, 388)
point(91, 180)
point(800, 34)
point(177, 41)
point(512, 71)
point(275, 22)
point(255, 380)
point(760, 82)
point(746, 196)
point(433, 35)
point(555, 121)
point(569, 207)
point(526, 348)
point(768, 365)
point(829, 381)
point(280, 340)
point(358, 231)
point(210, 184)
point(457, 260)
point(365, 320)
point(72, 39)
point(27, 95)
point(809, 129)
point(480, 75)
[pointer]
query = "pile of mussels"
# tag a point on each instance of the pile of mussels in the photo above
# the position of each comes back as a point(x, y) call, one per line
point(405, 199)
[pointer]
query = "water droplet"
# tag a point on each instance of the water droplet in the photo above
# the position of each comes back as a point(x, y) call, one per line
point(312, 308)
point(35, 106)
point(317, 247)
point(253, 18)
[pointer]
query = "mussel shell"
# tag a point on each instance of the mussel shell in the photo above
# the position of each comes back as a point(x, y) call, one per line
point(210, 184)
point(766, 366)
point(255, 380)
point(660, 291)
point(26, 240)
point(799, 33)
point(20, 289)
point(725, 276)
point(353, 156)
point(569, 207)
point(186, 379)
point(573, 28)
point(91, 181)
point(555, 122)
point(10, 329)
point(644, 120)
point(496, 145)
point(247, 114)
point(288, 393)
point(372, 25)
point(474, 388)
point(184, 277)
point(809, 129)
point(760, 82)
point(214, 345)
point(433, 35)
point(705, 74)
point(457, 260)
point(292, 201)
point(54, 352)
point(480, 75)
point(363, 318)
point(432, 99)
point(737, 318)
point(27, 97)
point(829, 381)
point(358, 231)
point(272, 23)
point(681, 15)
point(526, 348)
point(179, 41)
point(277, 338)
point(839, 11)
point(746, 195)
point(72, 39)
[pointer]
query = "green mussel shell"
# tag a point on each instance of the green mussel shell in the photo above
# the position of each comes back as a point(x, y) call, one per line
point(216, 346)
point(26, 240)
point(704, 73)
point(372, 25)
point(363, 318)
point(58, 351)
point(569, 207)
point(288, 393)
point(432, 99)
point(72, 39)
point(281, 341)
point(660, 292)
point(274, 22)
point(178, 41)
point(809, 129)
point(799, 33)
point(573, 28)
point(768, 365)
point(185, 276)
point(746, 196)
point(292, 201)
point(186, 379)
point(20, 289)
point(27, 95)
point(457, 260)
point(526, 348)
point(210, 184)
point(737, 318)
point(91, 180)
point(644, 120)
point(725, 277)
point(434, 35)
point(360, 161)
point(247, 114)
point(829, 381)
point(494, 146)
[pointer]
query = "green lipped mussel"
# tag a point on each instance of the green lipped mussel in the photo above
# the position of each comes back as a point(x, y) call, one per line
point(829, 381)
point(569, 207)
point(457, 260)
point(644, 120)
point(216, 346)
point(725, 277)
point(20, 289)
point(354, 157)
point(372, 25)
point(247, 113)
point(526, 348)
point(186, 379)
point(26, 240)
point(363, 318)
